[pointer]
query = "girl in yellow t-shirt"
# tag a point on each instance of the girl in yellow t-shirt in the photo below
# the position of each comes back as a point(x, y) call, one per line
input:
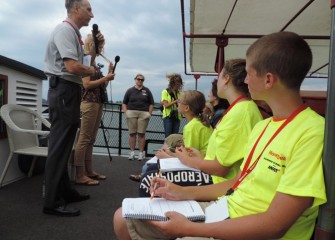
point(196, 134)
point(198, 130)
point(228, 141)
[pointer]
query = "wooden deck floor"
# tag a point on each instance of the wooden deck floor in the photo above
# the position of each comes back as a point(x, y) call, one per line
point(21, 205)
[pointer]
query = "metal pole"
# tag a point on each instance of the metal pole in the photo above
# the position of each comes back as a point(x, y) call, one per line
point(325, 229)
point(196, 77)
point(120, 129)
point(221, 42)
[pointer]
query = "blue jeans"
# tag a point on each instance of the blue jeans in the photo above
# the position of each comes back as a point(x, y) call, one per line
point(171, 125)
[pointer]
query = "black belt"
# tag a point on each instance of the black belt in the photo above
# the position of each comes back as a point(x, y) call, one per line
point(54, 80)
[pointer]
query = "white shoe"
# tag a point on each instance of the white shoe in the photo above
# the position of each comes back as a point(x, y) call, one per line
point(131, 156)
point(140, 156)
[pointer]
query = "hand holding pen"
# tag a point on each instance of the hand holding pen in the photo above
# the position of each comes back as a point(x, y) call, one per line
point(163, 153)
point(187, 151)
point(158, 175)
point(163, 188)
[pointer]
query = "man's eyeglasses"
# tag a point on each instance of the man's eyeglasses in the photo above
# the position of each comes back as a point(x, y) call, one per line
point(140, 79)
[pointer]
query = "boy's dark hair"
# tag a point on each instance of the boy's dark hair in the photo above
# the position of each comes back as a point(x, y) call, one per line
point(285, 54)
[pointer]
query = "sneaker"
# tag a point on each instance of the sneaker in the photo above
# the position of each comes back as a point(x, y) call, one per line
point(135, 177)
point(140, 156)
point(131, 156)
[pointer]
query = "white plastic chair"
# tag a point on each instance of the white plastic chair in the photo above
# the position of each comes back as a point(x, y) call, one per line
point(22, 130)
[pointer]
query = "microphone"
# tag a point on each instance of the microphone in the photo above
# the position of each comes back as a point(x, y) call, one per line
point(117, 59)
point(95, 31)
point(100, 65)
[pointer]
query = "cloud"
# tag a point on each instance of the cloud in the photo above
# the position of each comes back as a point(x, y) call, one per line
point(146, 34)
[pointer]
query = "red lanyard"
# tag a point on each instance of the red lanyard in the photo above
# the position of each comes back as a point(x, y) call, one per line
point(79, 37)
point(246, 169)
point(230, 107)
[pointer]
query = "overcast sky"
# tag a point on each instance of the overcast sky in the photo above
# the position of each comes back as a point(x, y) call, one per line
point(146, 34)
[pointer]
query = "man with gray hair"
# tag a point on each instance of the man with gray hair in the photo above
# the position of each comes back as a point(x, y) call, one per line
point(64, 68)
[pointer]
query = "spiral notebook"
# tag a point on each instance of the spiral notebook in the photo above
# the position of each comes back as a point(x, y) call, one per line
point(173, 164)
point(155, 209)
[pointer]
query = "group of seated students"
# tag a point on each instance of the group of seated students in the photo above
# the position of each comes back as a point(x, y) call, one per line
point(196, 134)
point(213, 110)
point(218, 153)
point(270, 170)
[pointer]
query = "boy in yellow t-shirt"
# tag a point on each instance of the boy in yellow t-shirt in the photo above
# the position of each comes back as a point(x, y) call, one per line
point(280, 186)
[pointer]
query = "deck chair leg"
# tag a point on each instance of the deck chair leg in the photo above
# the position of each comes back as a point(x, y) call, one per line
point(6, 168)
point(33, 163)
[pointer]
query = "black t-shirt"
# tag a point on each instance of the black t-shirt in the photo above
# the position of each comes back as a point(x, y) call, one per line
point(136, 99)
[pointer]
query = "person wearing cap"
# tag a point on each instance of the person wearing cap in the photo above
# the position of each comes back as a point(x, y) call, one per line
point(172, 142)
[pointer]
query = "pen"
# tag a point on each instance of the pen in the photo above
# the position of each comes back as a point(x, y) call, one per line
point(155, 185)
point(153, 192)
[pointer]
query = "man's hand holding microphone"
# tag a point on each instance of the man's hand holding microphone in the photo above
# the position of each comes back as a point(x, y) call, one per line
point(98, 38)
